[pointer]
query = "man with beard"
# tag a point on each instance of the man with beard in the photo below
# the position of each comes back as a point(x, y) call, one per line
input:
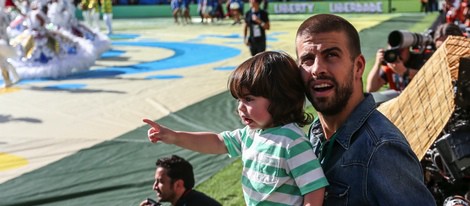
point(365, 157)
point(174, 182)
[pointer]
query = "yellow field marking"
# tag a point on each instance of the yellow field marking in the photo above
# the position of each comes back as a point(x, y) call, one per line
point(9, 161)
point(9, 90)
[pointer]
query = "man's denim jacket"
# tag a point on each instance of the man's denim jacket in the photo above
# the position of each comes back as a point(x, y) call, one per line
point(371, 162)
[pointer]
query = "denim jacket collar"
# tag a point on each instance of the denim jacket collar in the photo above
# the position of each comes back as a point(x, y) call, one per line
point(355, 121)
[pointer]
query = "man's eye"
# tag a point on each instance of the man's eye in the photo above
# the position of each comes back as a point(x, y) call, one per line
point(308, 62)
point(332, 54)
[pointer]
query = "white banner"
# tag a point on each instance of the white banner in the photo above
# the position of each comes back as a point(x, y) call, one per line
point(356, 7)
point(294, 8)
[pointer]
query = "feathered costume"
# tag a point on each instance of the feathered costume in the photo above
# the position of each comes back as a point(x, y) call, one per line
point(48, 54)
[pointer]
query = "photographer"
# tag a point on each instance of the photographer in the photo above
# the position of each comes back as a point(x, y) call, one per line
point(397, 73)
point(445, 30)
point(174, 181)
point(397, 65)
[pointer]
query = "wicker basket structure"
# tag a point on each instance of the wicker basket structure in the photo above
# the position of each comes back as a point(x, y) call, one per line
point(423, 109)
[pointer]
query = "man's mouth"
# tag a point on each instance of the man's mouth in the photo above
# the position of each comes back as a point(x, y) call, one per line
point(322, 87)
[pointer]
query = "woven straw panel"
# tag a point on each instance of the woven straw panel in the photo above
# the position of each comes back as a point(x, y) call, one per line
point(422, 110)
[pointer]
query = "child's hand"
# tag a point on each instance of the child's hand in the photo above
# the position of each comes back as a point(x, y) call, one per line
point(154, 131)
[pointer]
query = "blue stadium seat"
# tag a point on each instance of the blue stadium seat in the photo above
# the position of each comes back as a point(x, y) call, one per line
point(147, 2)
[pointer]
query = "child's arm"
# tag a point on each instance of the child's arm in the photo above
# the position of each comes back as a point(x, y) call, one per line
point(314, 198)
point(204, 142)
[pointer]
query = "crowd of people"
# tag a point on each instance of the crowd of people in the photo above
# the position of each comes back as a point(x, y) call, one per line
point(457, 11)
point(213, 10)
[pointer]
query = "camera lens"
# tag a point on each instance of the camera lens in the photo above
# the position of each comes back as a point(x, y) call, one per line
point(390, 56)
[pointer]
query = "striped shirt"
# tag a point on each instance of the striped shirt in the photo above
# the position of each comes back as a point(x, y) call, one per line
point(279, 165)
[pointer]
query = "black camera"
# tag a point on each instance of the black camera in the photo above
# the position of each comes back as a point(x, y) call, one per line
point(401, 39)
point(462, 97)
point(391, 55)
point(152, 202)
point(447, 162)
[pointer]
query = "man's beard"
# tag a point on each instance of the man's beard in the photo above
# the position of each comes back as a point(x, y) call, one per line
point(329, 106)
point(168, 196)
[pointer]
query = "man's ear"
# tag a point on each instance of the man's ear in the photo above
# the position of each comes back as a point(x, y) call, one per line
point(359, 66)
point(179, 184)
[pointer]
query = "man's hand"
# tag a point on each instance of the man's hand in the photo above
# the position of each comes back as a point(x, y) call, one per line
point(379, 56)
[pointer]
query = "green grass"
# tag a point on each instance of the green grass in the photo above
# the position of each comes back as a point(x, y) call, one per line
point(225, 186)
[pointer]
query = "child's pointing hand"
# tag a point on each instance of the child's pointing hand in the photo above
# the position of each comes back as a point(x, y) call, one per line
point(153, 132)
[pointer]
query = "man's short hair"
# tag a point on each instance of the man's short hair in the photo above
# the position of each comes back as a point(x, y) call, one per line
point(323, 23)
point(178, 169)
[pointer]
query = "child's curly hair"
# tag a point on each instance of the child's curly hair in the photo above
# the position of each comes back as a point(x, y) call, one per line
point(275, 76)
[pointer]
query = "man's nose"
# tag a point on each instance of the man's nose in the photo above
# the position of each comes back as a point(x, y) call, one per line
point(318, 67)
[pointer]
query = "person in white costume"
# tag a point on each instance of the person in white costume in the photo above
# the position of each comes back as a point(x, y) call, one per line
point(61, 13)
point(6, 51)
point(46, 53)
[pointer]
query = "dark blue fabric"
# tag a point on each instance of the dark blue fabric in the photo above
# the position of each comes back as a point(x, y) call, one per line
point(371, 162)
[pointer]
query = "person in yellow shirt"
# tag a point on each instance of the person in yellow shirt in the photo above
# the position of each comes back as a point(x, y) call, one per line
point(107, 10)
point(91, 13)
